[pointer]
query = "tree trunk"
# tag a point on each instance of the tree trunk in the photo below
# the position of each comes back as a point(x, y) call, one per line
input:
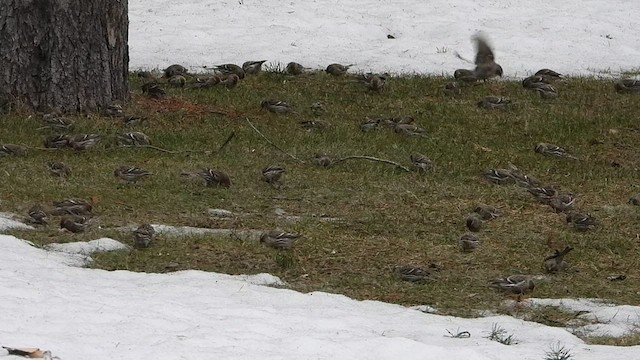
point(67, 55)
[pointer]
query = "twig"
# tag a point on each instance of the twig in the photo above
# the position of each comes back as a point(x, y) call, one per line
point(233, 134)
point(374, 159)
point(457, 54)
point(271, 143)
point(154, 148)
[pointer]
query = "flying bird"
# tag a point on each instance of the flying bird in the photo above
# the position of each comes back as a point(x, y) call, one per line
point(486, 67)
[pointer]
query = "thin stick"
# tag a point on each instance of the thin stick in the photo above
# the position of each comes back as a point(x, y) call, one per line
point(457, 54)
point(271, 143)
point(371, 158)
point(152, 147)
point(233, 134)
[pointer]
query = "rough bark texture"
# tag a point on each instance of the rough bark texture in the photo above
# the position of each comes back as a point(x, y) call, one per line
point(70, 55)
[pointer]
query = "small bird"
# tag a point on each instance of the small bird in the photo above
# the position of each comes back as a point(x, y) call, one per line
point(533, 81)
point(465, 76)
point(473, 222)
point(322, 160)
point(469, 242)
point(293, 68)
point(318, 108)
point(174, 70)
point(279, 239)
point(338, 69)
point(143, 236)
point(230, 81)
point(313, 124)
point(372, 81)
point(486, 67)
point(253, 67)
point(628, 86)
point(38, 215)
point(114, 110)
point(581, 222)
point(370, 125)
point(207, 83)
point(57, 122)
point(421, 163)
point(412, 273)
point(58, 168)
point(227, 69)
point(553, 150)
point(555, 263)
point(548, 73)
point(275, 106)
point(153, 90)
point(487, 212)
point(177, 81)
point(499, 176)
point(84, 142)
point(409, 130)
point(562, 202)
point(74, 224)
point(543, 194)
point(452, 89)
point(524, 179)
point(215, 178)
point(12, 150)
point(134, 138)
point(130, 173)
point(515, 284)
point(635, 200)
point(71, 207)
point(133, 120)
point(56, 142)
point(546, 91)
point(494, 102)
point(272, 174)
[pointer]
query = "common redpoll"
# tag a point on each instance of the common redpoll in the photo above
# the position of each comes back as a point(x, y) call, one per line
point(499, 176)
point(279, 239)
point(452, 89)
point(272, 174)
point(469, 242)
point(71, 207)
point(215, 178)
point(322, 160)
point(56, 122)
point(228, 69)
point(230, 81)
point(412, 273)
point(370, 124)
point(581, 222)
point(543, 194)
point(553, 150)
point(113, 110)
point(38, 215)
point(58, 168)
point(143, 236)
point(410, 130)
point(486, 67)
point(73, 224)
point(56, 142)
point(546, 91)
point(153, 90)
point(494, 102)
point(275, 106)
point(421, 163)
point(293, 68)
point(464, 75)
point(627, 86)
point(174, 70)
point(534, 81)
point(337, 69)
point(84, 142)
point(252, 67)
point(12, 150)
point(473, 222)
point(177, 81)
point(562, 202)
point(548, 73)
point(514, 284)
point(555, 262)
point(134, 138)
point(130, 173)
point(487, 212)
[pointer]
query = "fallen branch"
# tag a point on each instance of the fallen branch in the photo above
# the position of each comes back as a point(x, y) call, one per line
point(271, 143)
point(371, 158)
point(233, 134)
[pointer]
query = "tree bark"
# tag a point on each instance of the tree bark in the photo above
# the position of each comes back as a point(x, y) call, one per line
point(66, 55)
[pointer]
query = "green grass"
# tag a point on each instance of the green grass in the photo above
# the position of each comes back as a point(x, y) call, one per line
point(390, 217)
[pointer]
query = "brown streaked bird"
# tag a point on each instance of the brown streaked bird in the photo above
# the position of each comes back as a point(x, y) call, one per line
point(338, 69)
point(635, 200)
point(84, 142)
point(58, 168)
point(373, 82)
point(228, 69)
point(114, 110)
point(207, 83)
point(554, 151)
point(72, 207)
point(230, 81)
point(421, 163)
point(452, 89)
point(143, 236)
point(562, 202)
point(275, 106)
point(215, 178)
point(279, 239)
point(548, 73)
point(473, 222)
point(543, 194)
point(555, 263)
point(293, 68)
point(272, 174)
point(409, 130)
point(412, 273)
point(130, 173)
point(57, 122)
point(12, 150)
point(581, 222)
point(134, 138)
point(370, 125)
point(252, 67)
point(322, 160)
point(533, 81)
point(524, 179)
point(311, 125)
point(469, 242)
point(494, 102)
point(486, 212)
point(133, 120)
point(38, 215)
point(628, 86)
point(546, 91)
point(177, 81)
point(486, 67)
point(466, 76)
point(499, 176)
point(56, 142)
point(74, 224)
point(174, 70)
point(153, 90)
point(519, 285)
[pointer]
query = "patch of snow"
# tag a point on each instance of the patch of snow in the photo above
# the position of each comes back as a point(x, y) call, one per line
point(89, 247)
point(7, 222)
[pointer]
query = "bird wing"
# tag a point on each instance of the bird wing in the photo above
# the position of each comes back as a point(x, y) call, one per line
point(484, 53)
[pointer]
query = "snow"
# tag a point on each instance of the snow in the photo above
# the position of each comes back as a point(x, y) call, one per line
point(7, 222)
point(89, 247)
point(580, 37)
point(79, 313)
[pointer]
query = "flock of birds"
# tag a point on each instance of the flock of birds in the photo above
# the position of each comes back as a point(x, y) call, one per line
point(76, 213)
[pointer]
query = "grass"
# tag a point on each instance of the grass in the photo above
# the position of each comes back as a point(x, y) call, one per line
point(499, 334)
point(390, 217)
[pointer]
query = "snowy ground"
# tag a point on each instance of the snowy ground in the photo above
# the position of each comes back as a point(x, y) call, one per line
point(574, 36)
